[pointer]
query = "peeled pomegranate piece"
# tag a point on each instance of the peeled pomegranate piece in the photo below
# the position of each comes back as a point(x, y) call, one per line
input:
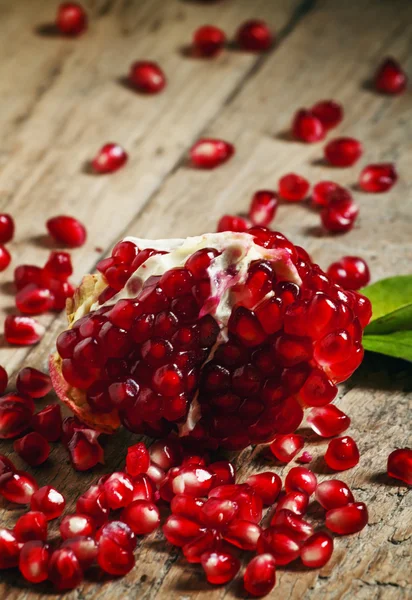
point(206, 337)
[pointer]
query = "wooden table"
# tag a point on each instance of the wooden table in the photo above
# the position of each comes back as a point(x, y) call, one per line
point(62, 99)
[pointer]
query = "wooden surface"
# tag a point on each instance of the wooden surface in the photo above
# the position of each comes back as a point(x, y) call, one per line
point(62, 99)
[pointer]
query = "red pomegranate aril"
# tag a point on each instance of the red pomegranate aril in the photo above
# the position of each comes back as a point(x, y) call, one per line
point(267, 485)
point(342, 453)
point(34, 561)
point(323, 192)
point(205, 542)
point(286, 447)
point(333, 348)
point(9, 549)
point(318, 389)
point(15, 417)
point(48, 422)
point(110, 158)
point(33, 382)
point(340, 214)
point(137, 459)
point(301, 479)
point(119, 533)
point(6, 228)
point(58, 266)
point(25, 274)
point(378, 178)
point(307, 127)
point(67, 231)
point(85, 549)
point(31, 526)
point(147, 77)
point(208, 153)
point(400, 465)
point(329, 113)
point(93, 504)
point(18, 487)
point(219, 567)
point(141, 516)
point(85, 450)
point(350, 272)
point(193, 481)
point(390, 78)
point(48, 501)
point(4, 379)
point(288, 520)
point(32, 300)
point(232, 223)
point(305, 458)
point(71, 19)
point(242, 534)
point(156, 474)
point(33, 448)
point(343, 151)
point(317, 550)
point(297, 502)
point(114, 559)
point(123, 393)
point(179, 530)
point(216, 513)
point(260, 576)
point(118, 490)
point(333, 493)
point(208, 41)
point(6, 466)
point(347, 519)
point(328, 421)
point(5, 258)
point(293, 188)
point(254, 36)
point(64, 569)
point(263, 207)
point(249, 503)
point(284, 545)
point(75, 525)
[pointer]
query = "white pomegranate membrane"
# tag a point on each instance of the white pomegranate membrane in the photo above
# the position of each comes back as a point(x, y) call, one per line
point(222, 337)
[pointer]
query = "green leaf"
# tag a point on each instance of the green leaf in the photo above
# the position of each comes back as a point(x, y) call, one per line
point(391, 305)
point(397, 344)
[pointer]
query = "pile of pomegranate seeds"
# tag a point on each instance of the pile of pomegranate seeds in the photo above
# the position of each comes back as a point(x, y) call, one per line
point(350, 272)
point(208, 41)
point(390, 77)
point(147, 77)
point(110, 158)
point(254, 36)
point(71, 19)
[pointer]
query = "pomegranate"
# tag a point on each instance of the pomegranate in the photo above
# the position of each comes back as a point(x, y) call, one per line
point(206, 337)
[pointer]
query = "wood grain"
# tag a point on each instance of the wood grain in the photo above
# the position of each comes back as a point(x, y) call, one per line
point(62, 99)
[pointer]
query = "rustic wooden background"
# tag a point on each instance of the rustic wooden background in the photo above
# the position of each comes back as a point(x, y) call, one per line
point(61, 99)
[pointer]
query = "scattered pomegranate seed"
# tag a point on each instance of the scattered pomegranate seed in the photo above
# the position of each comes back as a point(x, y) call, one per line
point(6, 228)
point(296, 502)
point(110, 158)
point(208, 41)
point(328, 421)
point(85, 450)
point(58, 266)
point(64, 570)
point(195, 481)
point(4, 379)
point(224, 472)
point(333, 493)
point(5, 258)
point(137, 459)
point(267, 485)
point(260, 576)
point(400, 465)
point(378, 178)
point(290, 521)
point(32, 300)
point(15, 415)
point(306, 127)
point(317, 550)
point(85, 549)
point(18, 487)
point(147, 77)
point(116, 544)
point(72, 526)
point(6, 466)
point(282, 544)
point(48, 422)
point(232, 223)
point(343, 151)
point(263, 207)
point(286, 447)
point(48, 501)
point(323, 192)
point(31, 526)
point(301, 479)
point(318, 389)
point(34, 561)
point(305, 458)
point(118, 490)
point(342, 453)
point(220, 567)
point(71, 19)
point(329, 113)
point(141, 516)
point(33, 382)
point(208, 153)
point(33, 448)
point(67, 231)
point(25, 274)
point(293, 188)
point(347, 519)
point(93, 504)
point(390, 78)
point(206, 542)
point(341, 213)
point(179, 530)
point(254, 36)
point(350, 272)
point(9, 549)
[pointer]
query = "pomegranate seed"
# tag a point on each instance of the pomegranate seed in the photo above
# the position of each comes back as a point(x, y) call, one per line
point(242, 534)
point(6, 228)
point(328, 421)
point(71, 19)
point(18, 487)
point(33, 448)
point(15, 416)
point(5, 258)
point(340, 214)
point(187, 506)
point(347, 519)
point(301, 479)
point(93, 504)
point(113, 559)
point(260, 576)
point(323, 192)
point(205, 542)
point(48, 422)
point(67, 231)
point(400, 465)
point(220, 567)
point(224, 472)
point(144, 488)
point(343, 151)
point(64, 570)
point(31, 526)
point(318, 389)
point(297, 502)
point(329, 113)
point(286, 447)
point(378, 178)
point(263, 207)
point(307, 127)
point(118, 490)
point(156, 474)
point(293, 188)
point(254, 36)
point(179, 531)
point(216, 513)
point(232, 223)
point(58, 266)
point(119, 533)
point(249, 503)
point(342, 453)
point(333, 494)
point(305, 457)
point(137, 459)
point(208, 41)
point(350, 272)
point(208, 153)
point(33, 382)
point(147, 77)
point(317, 550)
point(84, 548)
point(267, 485)
point(282, 544)
point(193, 481)
point(34, 561)
point(390, 77)
point(142, 517)
point(75, 525)
point(48, 501)
point(166, 453)
point(32, 300)
point(4, 379)
point(25, 274)
point(110, 158)
point(288, 520)
point(85, 450)
point(9, 549)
